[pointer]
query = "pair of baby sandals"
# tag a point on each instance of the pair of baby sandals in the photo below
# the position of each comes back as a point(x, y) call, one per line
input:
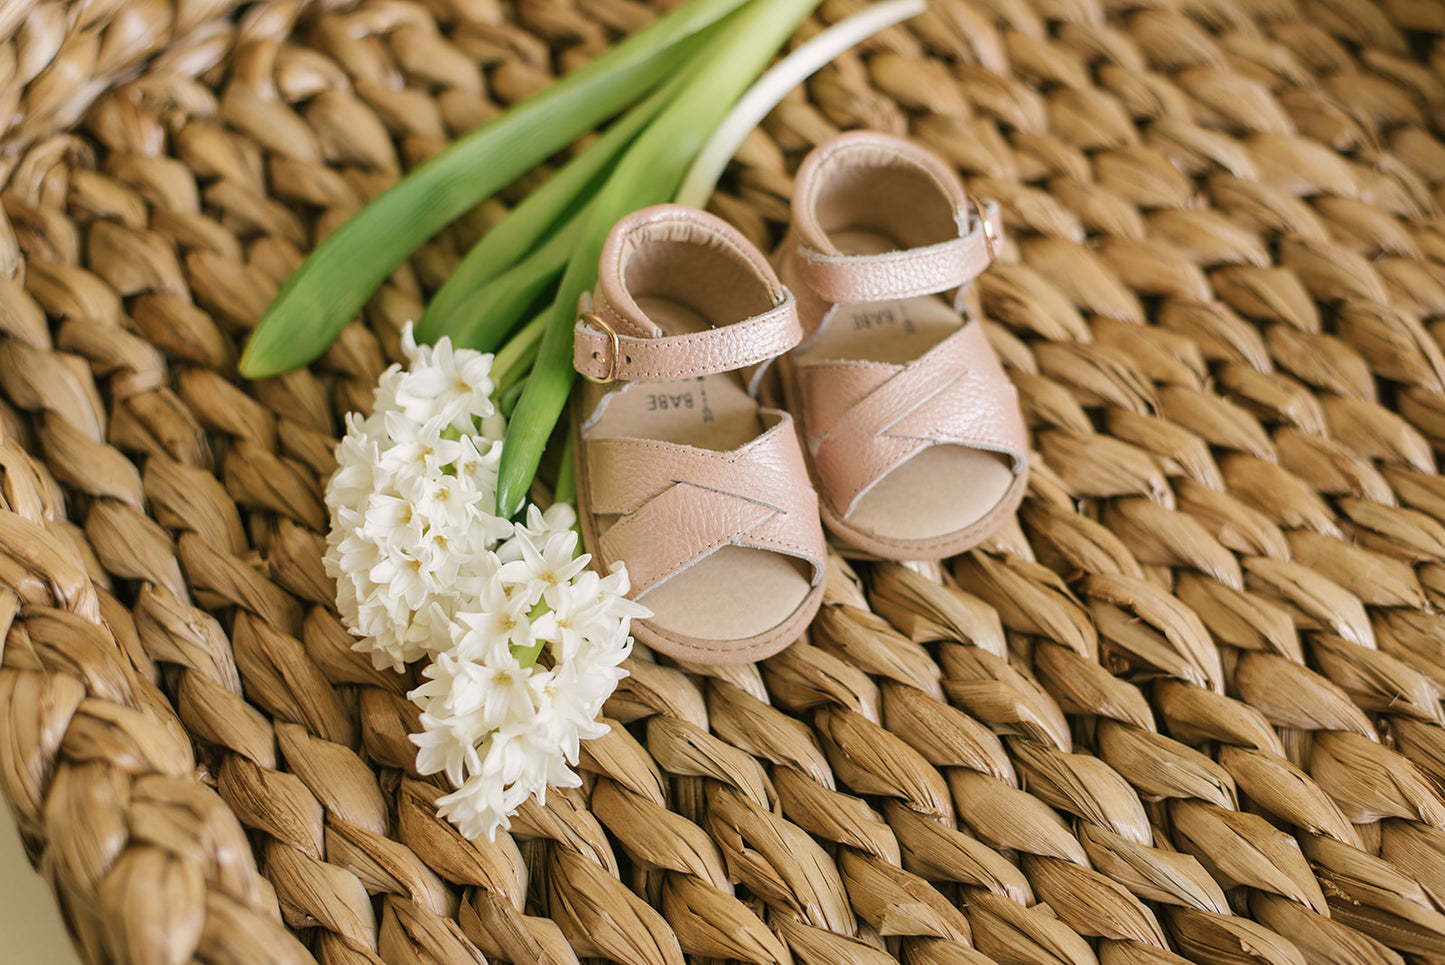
point(912, 444)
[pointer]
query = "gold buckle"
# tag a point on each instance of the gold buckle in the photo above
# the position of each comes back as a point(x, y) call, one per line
point(616, 349)
point(989, 236)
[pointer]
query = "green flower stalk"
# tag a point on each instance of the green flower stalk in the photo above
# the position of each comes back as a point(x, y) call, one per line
point(514, 360)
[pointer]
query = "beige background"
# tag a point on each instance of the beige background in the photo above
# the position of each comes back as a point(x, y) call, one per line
point(30, 928)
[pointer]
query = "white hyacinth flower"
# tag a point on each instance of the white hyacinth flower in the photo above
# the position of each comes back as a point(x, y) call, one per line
point(525, 642)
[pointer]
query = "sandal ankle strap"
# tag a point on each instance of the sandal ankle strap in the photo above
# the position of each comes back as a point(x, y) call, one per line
point(616, 342)
point(602, 354)
point(851, 279)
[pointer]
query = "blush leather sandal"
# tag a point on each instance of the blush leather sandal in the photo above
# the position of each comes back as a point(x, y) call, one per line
point(913, 431)
point(680, 472)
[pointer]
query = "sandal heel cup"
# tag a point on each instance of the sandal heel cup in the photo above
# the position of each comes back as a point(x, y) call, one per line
point(913, 431)
point(681, 473)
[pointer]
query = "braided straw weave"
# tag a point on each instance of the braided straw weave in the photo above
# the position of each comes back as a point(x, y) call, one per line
point(1188, 708)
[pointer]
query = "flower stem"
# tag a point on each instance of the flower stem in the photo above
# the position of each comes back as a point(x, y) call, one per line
point(566, 489)
point(527, 656)
point(515, 359)
point(333, 284)
point(507, 401)
point(648, 173)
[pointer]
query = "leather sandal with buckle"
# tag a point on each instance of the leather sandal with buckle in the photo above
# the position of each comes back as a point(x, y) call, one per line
point(680, 472)
point(913, 431)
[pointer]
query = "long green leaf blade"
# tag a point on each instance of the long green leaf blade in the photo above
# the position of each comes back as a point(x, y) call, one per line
point(491, 312)
point(333, 284)
point(526, 224)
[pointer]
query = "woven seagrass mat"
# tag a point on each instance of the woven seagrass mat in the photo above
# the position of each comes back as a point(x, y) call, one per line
point(1187, 708)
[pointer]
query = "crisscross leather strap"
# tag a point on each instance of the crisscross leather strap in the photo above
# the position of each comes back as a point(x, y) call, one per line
point(865, 419)
point(849, 279)
point(604, 352)
point(679, 503)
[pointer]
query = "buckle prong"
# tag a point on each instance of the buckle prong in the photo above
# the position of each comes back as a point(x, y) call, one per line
point(989, 235)
point(615, 349)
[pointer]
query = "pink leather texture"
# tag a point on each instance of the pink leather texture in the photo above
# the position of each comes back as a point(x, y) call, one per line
point(665, 358)
point(847, 279)
point(679, 503)
point(870, 418)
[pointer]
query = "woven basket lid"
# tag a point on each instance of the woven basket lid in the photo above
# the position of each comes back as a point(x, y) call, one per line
point(1187, 708)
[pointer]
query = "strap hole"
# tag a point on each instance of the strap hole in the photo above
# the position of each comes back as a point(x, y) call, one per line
point(628, 358)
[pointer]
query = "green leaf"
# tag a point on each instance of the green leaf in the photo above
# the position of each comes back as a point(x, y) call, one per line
point(452, 307)
point(338, 278)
